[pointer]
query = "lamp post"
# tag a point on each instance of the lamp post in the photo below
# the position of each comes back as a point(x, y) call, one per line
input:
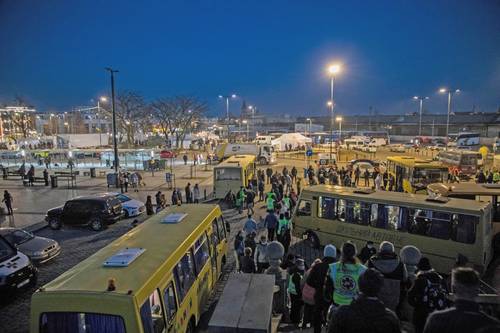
point(421, 100)
point(227, 98)
point(104, 100)
point(333, 70)
point(310, 125)
point(253, 108)
point(246, 123)
point(450, 93)
point(339, 120)
point(115, 144)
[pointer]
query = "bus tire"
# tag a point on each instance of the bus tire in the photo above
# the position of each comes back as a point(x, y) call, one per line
point(312, 239)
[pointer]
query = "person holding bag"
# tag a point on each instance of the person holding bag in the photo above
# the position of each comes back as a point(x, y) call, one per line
point(308, 297)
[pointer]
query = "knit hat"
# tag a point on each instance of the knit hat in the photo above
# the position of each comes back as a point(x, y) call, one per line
point(386, 247)
point(424, 264)
point(330, 251)
point(348, 250)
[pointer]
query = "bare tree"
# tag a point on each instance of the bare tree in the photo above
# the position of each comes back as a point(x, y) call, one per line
point(131, 111)
point(178, 116)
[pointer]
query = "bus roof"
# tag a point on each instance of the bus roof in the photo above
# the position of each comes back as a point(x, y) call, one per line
point(416, 162)
point(237, 161)
point(464, 189)
point(91, 275)
point(397, 198)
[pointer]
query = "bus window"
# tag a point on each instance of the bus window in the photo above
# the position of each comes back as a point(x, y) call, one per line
point(201, 252)
point(222, 229)
point(440, 226)
point(352, 211)
point(184, 275)
point(379, 216)
point(393, 217)
point(464, 228)
point(404, 218)
point(215, 233)
point(341, 212)
point(326, 208)
point(170, 303)
point(152, 314)
point(228, 174)
point(304, 208)
point(365, 214)
point(69, 322)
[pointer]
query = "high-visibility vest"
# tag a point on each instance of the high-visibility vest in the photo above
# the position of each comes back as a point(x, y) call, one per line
point(282, 226)
point(345, 279)
point(286, 201)
point(270, 203)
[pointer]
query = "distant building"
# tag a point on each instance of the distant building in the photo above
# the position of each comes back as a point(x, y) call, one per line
point(17, 122)
point(77, 121)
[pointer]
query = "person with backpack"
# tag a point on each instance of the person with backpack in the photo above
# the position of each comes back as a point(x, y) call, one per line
point(393, 290)
point(465, 315)
point(342, 284)
point(260, 256)
point(428, 294)
point(366, 313)
point(315, 280)
point(294, 290)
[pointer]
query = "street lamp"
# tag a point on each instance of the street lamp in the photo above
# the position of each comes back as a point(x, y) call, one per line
point(310, 125)
point(339, 120)
point(333, 70)
point(115, 144)
point(253, 108)
point(103, 99)
point(421, 99)
point(450, 93)
point(246, 122)
point(227, 98)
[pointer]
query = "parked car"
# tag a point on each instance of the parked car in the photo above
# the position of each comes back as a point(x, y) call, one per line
point(167, 154)
point(96, 211)
point(38, 249)
point(397, 148)
point(131, 207)
point(16, 269)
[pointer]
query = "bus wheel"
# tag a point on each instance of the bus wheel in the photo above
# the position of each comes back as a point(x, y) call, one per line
point(312, 239)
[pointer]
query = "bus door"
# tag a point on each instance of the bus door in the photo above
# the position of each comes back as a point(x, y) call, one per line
point(214, 243)
point(400, 174)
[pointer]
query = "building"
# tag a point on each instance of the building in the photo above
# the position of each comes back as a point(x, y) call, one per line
point(78, 121)
point(17, 122)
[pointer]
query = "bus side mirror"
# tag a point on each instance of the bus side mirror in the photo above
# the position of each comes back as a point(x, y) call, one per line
point(228, 227)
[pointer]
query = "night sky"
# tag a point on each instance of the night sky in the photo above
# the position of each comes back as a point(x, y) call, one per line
point(272, 53)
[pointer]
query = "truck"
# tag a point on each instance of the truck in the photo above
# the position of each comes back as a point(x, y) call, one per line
point(264, 153)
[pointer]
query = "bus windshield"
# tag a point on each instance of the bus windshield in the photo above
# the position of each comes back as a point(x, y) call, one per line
point(428, 175)
point(228, 174)
point(82, 322)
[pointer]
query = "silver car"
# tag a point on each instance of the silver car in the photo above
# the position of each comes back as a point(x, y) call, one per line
point(38, 249)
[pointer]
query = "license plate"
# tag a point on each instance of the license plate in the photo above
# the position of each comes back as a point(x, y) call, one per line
point(22, 284)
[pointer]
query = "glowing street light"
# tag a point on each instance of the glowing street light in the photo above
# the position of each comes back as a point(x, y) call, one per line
point(227, 98)
point(339, 120)
point(421, 99)
point(333, 70)
point(450, 93)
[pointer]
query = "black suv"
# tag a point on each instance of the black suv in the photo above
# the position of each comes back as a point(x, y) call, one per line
point(94, 211)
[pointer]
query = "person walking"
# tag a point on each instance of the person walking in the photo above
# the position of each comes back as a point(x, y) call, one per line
point(342, 284)
point(270, 202)
point(260, 187)
point(283, 232)
point(125, 181)
point(366, 313)
point(185, 159)
point(247, 263)
point(366, 176)
point(308, 297)
point(187, 190)
point(250, 198)
point(395, 276)
point(149, 206)
point(158, 201)
point(465, 315)
point(357, 173)
point(378, 182)
point(294, 290)
point(316, 280)
point(297, 184)
point(427, 294)
point(269, 173)
point(271, 223)
point(293, 172)
point(196, 194)
point(239, 250)
point(175, 198)
point(134, 180)
point(250, 225)
point(46, 177)
point(7, 198)
point(260, 257)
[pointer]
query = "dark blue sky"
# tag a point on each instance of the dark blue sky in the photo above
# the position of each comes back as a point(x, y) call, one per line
point(272, 53)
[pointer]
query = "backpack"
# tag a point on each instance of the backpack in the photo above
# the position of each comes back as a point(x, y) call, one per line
point(434, 296)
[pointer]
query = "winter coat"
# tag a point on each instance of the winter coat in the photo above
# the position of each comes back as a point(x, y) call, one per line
point(364, 314)
point(260, 255)
point(247, 265)
point(316, 279)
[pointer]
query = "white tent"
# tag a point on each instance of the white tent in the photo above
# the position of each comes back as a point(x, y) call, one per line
point(294, 139)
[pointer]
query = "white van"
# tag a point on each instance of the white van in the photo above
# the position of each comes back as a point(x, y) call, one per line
point(264, 139)
point(16, 269)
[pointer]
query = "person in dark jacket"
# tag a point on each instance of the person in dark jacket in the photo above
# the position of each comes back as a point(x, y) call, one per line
point(395, 276)
point(367, 252)
point(366, 313)
point(7, 198)
point(149, 206)
point(427, 294)
point(271, 223)
point(295, 291)
point(465, 316)
point(247, 263)
point(316, 279)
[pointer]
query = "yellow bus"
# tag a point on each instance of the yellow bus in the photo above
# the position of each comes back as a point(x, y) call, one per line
point(441, 229)
point(474, 191)
point(413, 175)
point(155, 278)
point(236, 171)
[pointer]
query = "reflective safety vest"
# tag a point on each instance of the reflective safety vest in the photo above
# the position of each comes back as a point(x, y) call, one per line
point(345, 279)
point(286, 201)
point(283, 225)
point(291, 286)
point(270, 203)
